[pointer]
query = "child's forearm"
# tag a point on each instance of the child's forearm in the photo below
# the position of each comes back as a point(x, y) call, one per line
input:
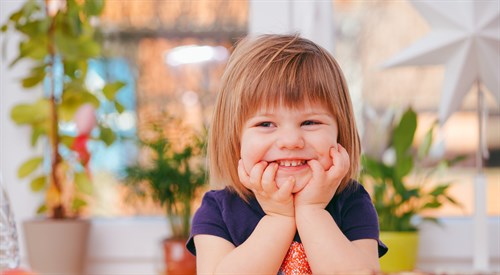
point(265, 249)
point(328, 249)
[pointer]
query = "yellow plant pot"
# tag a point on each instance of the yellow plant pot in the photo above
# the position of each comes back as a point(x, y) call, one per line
point(403, 250)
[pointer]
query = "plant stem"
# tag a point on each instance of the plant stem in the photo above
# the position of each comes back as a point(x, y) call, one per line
point(58, 210)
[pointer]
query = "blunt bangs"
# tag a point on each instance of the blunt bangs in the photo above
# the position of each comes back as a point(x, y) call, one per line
point(293, 79)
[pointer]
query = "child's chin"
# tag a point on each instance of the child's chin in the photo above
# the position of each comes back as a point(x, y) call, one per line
point(300, 183)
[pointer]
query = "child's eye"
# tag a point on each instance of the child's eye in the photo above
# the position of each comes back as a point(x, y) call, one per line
point(310, 122)
point(265, 124)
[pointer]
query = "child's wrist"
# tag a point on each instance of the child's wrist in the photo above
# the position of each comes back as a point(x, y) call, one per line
point(308, 209)
point(284, 220)
point(290, 214)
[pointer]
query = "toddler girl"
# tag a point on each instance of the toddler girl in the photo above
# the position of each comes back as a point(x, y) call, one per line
point(283, 144)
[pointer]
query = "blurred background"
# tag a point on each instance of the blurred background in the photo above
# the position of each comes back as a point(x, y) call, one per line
point(170, 55)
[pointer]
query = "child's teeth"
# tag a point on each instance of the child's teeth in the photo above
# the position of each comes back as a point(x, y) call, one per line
point(291, 163)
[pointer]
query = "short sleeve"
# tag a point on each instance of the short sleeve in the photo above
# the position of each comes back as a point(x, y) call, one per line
point(359, 218)
point(208, 220)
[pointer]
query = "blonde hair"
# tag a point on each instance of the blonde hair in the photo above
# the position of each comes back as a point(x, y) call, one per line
point(267, 71)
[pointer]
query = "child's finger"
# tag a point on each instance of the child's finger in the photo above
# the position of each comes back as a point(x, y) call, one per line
point(286, 189)
point(340, 162)
point(316, 168)
point(256, 175)
point(268, 178)
point(242, 173)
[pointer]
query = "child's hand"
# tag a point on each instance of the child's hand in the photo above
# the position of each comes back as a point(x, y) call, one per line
point(323, 184)
point(261, 180)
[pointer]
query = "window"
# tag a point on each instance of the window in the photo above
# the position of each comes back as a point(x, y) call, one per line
point(367, 36)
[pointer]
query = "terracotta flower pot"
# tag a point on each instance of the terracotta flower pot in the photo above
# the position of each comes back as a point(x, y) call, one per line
point(178, 259)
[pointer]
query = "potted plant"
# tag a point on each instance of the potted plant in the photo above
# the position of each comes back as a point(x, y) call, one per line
point(58, 38)
point(403, 186)
point(173, 175)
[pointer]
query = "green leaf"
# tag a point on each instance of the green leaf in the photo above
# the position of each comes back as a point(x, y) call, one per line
point(456, 160)
point(425, 146)
point(439, 190)
point(453, 201)
point(4, 28)
point(42, 209)
point(403, 167)
point(111, 89)
point(404, 132)
point(371, 167)
point(77, 204)
point(32, 80)
point(23, 114)
point(89, 49)
point(401, 190)
point(93, 7)
point(67, 45)
point(119, 107)
point(83, 183)
point(31, 113)
point(35, 48)
point(29, 166)
point(35, 29)
point(433, 204)
point(16, 15)
point(106, 135)
point(77, 70)
point(38, 184)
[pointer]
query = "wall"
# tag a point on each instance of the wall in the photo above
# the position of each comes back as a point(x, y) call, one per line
point(14, 141)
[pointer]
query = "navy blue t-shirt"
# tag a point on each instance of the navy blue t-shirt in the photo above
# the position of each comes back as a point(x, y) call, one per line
point(224, 214)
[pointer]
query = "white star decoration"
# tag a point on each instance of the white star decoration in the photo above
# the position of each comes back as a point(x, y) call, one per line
point(465, 37)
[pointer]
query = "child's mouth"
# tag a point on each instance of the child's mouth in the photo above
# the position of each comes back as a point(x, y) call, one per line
point(291, 163)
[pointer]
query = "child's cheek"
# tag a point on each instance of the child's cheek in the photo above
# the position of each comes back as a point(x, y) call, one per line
point(326, 160)
point(247, 165)
point(249, 160)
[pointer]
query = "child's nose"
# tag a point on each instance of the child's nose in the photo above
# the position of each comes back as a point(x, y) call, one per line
point(290, 139)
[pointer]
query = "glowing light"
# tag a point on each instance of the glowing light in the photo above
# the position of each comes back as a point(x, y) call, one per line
point(195, 54)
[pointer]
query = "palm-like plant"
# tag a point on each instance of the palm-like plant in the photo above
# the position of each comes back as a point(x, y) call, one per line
point(173, 176)
point(405, 187)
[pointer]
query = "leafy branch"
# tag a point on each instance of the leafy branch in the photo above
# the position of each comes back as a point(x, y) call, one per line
point(59, 47)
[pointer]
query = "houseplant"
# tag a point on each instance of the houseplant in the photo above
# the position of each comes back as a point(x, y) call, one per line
point(58, 39)
point(403, 183)
point(173, 175)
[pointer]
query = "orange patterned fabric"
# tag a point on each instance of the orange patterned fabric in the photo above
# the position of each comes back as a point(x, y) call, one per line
point(295, 261)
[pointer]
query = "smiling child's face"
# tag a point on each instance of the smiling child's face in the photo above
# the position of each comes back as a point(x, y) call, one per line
point(289, 137)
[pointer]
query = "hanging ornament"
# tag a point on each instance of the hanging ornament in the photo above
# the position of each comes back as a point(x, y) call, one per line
point(85, 121)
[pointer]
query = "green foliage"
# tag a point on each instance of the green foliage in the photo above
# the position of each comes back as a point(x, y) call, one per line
point(398, 199)
point(173, 176)
point(66, 39)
